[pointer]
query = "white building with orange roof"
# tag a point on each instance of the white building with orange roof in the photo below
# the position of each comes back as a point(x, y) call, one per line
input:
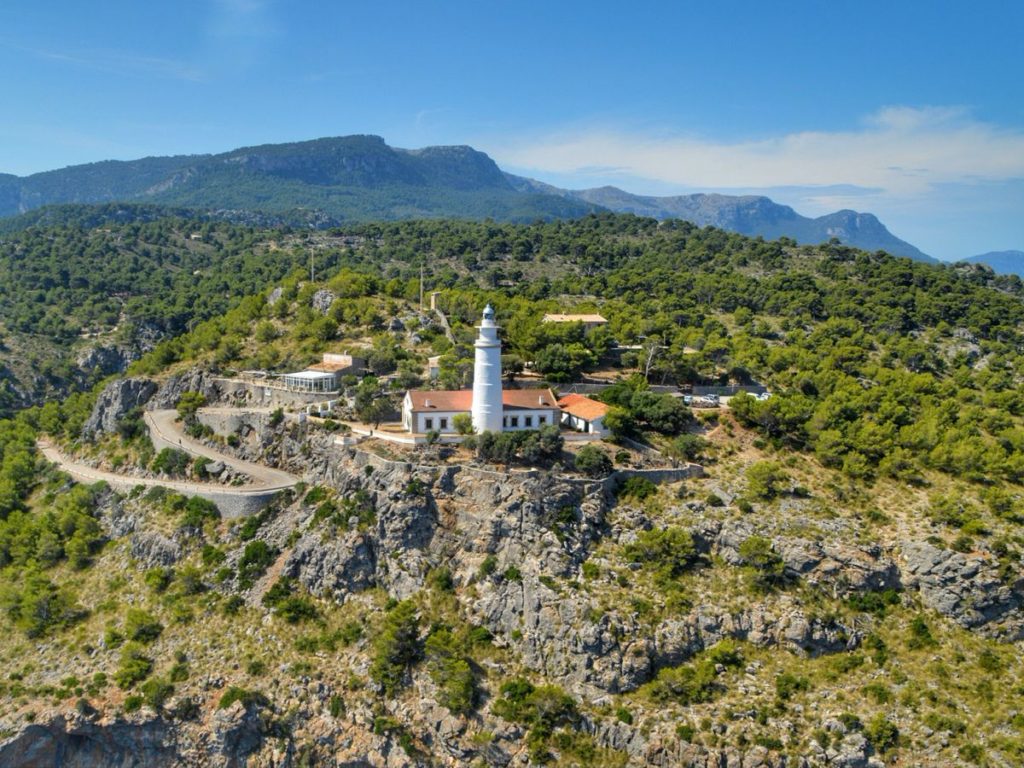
point(583, 414)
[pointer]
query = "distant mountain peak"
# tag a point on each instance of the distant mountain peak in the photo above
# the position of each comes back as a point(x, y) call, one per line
point(360, 177)
point(1004, 262)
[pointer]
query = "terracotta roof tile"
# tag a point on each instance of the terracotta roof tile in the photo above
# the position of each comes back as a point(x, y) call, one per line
point(583, 407)
point(554, 317)
point(462, 399)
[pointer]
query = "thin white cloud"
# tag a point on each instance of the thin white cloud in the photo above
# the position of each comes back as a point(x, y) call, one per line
point(121, 63)
point(902, 152)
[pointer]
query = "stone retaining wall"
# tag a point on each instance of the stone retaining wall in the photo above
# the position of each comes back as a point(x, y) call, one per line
point(231, 503)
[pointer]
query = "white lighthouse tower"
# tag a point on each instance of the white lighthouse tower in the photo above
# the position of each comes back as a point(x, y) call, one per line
point(487, 408)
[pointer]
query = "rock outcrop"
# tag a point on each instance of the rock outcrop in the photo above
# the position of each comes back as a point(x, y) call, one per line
point(966, 588)
point(173, 388)
point(322, 300)
point(117, 399)
point(136, 741)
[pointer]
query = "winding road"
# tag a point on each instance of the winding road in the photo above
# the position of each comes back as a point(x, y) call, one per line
point(164, 430)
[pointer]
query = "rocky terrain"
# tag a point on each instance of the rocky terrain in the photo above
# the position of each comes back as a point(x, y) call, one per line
point(737, 641)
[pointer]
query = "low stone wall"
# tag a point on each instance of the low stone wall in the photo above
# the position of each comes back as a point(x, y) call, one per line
point(266, 394)
point(663, 475)
point(224, 423)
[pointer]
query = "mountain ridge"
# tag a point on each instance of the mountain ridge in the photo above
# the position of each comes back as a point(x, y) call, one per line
point(747, 214)
point(1009, 262)
point(361, 178)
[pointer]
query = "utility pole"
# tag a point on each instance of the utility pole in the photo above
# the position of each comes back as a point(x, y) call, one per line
point(421, 287)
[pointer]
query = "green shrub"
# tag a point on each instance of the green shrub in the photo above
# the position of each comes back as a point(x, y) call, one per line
point(156, 692)
point(451, 672)
point(396, 647)
point(440, 579)
point(172, 462)
point(688, 446)
point(256, 558)
point(248, 698)
point(765, 564)
point(920, 634)
point(876, 602)
point(637, 488)
point(882, 733)
point(991, 662)
point(158, 579)
point(133, 703)
point(668, 552)
point(488, 566)
point(233, 605)
point(142, 627)
point(39, 606)
point(592, 461)
point(687, 684)
point(178, 673)
point(685, 732)
point(542, 707)
point(850, 721)
point(134, 667)
point(972, 753)
point(878, 692)
point(765, 480)
point(197, 511)
point(336, 706)
point(296, 609)
point(189, 403)
point(212, 556)
point(787, 685)
point(725, 652)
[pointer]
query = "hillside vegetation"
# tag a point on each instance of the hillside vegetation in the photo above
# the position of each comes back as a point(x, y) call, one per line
point(843, 584)
point(78, 303)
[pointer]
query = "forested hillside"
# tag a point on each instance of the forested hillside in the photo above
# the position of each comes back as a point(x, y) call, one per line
point(78, 303)
point(839, 584)
point(880, 364)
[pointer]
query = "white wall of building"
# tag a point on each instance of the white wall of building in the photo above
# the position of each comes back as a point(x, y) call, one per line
point(593, 427)
point(523, 418)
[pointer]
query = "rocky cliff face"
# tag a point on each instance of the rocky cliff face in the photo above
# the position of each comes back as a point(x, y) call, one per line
point(536, 562)
point(115, 401)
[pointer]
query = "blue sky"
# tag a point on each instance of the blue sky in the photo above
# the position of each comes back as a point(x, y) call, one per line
point(913, 111)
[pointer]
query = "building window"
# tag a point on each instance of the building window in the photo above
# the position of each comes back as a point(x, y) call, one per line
point(515, 421)
point(429, 424)
point(527, 421)
point(504, 421)
point(542, 420)
point(444, 423)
